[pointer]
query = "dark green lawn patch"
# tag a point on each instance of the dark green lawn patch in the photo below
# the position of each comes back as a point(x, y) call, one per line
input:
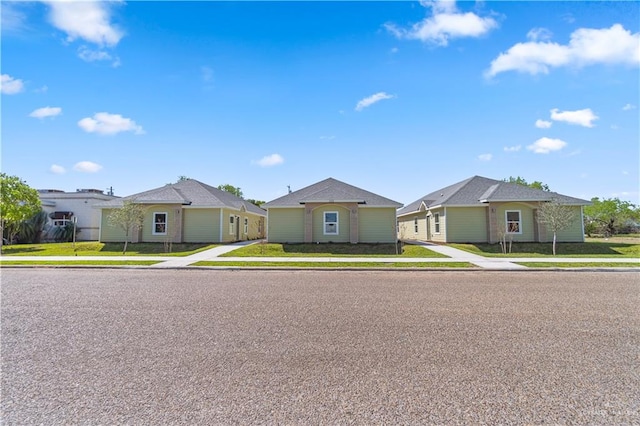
point(78, 262)
point(330, 250)
point(94, 248)
point(588, 249)
point(340, 264)
point(579, 264)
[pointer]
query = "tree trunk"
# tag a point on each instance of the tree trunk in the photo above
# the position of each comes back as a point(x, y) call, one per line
point(554, 243)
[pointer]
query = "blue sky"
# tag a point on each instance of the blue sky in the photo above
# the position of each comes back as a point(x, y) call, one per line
point(399, 98)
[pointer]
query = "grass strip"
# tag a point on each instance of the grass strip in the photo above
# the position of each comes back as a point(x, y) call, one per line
point(579, 264)
point(331, 250)
point(77, 262)
point(340, 264)
point(94, 248)
point(577, 250)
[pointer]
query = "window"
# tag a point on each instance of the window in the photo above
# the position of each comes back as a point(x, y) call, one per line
point(330, 223)
point(415, 225)
point(61, 222)
point(514, 225)
point(436, 222)
point(246, 225)
point(159, 224)
point(231, 225)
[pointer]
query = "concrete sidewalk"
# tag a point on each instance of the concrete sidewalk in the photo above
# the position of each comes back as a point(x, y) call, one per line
point(454, 255)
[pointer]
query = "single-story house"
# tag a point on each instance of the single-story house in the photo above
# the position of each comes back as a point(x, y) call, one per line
point(188, 212)
point(64, 207)
point(331, 211)
point(481, 210)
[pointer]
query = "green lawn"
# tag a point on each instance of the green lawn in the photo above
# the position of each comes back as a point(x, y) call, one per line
point(76, 262)
point(340, 264)
point(579, 264)
point(587, 249)
point(330, 250)
point(94, 248)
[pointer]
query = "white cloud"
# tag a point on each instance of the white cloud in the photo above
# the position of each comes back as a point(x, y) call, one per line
point(485, 157)
point(539, 34)
point(446, 23)
point(12, 19)
point(543, 124)
point(515, 148)
point(109, 124)
point(270, 160)
point(91, 55)
point(58, 170)
point(87, 20)
point(366, 102)
point(546, 145)
point(46, 112)
point(628, 107)
point(10, 85)
point(87, 167)
point(581, 117)
point(587, 46)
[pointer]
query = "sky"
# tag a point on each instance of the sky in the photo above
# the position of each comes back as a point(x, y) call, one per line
point(398, 98)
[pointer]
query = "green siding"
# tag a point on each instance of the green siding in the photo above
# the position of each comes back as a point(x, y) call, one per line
point(526, 220)
point(108, 233)
point(172, 222)
point(286, 225)
point(343, 224)
point(466, 224)
point(573, 234)
point(377, 225)
point(201, 225)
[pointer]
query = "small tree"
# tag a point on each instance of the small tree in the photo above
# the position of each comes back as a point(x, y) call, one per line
point(18, 202)
point(231, 189)
point(556, 217)
point(129, 218)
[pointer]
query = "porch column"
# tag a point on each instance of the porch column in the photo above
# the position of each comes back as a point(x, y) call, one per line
point(353, 223)
point(308, 223)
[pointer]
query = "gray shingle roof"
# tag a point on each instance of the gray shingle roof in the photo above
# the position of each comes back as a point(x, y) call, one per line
point(331, 190)
point(187, 192)
point(478, 190)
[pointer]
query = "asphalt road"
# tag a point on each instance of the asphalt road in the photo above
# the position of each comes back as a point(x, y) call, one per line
point(223, 347)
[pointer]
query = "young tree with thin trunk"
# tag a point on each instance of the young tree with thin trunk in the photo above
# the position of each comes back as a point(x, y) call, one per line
point(556, 217)
point(129, 218)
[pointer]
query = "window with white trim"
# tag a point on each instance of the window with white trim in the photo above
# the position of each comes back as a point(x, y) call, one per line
point(232, 227)
point(513, 220)
point(61, 222)
point(415, 225)
point(159, 223)
point(246, 225)
point(436, 223)
point(330, 223)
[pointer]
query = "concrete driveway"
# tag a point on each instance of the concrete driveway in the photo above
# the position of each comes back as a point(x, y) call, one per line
point(151, 347)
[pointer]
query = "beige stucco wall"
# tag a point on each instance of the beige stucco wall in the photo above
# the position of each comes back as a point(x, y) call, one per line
point(285, 225)
point(467, 224)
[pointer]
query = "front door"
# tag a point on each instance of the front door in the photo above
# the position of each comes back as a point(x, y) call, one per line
point(237, 228)
point(428, 228)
